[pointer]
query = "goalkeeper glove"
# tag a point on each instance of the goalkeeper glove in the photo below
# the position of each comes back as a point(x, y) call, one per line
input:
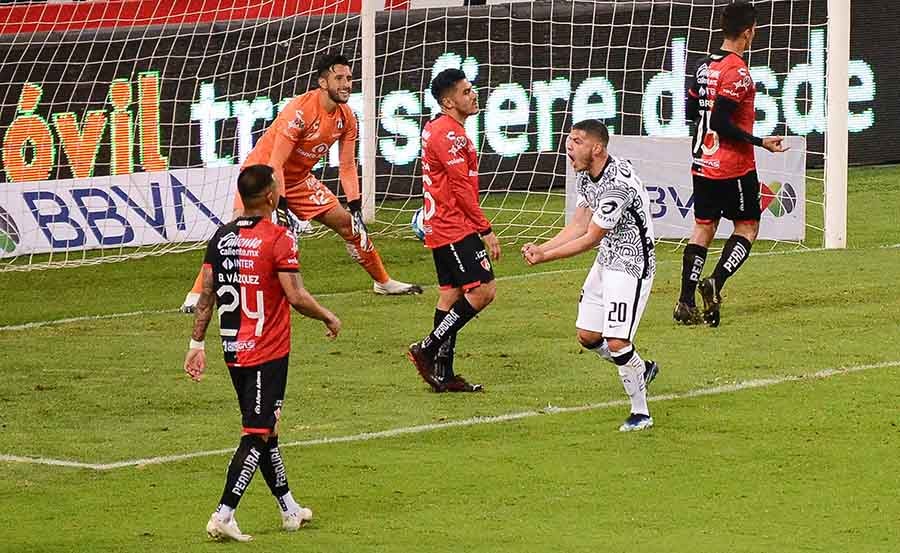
point(285, 217)
point(358, 226)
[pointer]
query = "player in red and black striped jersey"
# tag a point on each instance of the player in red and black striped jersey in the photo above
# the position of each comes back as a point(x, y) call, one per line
point(251, 272)
point(459, 236)
point(720, 105)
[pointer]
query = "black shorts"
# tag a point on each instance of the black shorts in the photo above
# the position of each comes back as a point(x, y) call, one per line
point(736, 199)
point(464, 264)
point(260, 393)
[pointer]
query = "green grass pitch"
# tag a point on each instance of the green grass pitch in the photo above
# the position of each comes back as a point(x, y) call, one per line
point(795, 463)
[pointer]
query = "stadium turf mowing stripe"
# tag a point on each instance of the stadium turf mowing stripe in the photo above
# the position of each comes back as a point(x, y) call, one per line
point(392, 433)
point(52, 322)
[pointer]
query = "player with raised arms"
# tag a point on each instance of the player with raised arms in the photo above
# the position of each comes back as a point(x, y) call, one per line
point(251, 272)
point(299, 137)
point(613, 216)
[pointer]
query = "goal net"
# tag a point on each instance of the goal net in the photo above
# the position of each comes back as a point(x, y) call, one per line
point(541, 66)
point(124, 123)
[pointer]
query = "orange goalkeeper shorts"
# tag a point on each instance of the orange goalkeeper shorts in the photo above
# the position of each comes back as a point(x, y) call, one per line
point(307, 199)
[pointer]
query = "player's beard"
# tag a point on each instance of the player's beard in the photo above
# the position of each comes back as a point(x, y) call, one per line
point(578, 162)
point(336, 97)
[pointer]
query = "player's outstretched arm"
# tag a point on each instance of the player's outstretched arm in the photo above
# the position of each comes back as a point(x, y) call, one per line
point(583, 243)
point(305, 304)
point(575, 228)
point(195, 360)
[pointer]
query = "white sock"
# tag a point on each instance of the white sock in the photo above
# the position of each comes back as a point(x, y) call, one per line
point(631, 371)
point(224, 513)
point(288, 504)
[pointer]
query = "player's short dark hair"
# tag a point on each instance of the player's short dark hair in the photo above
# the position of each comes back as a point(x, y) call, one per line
point(328, 61)
point(254, 181)
point(444, 82)
point(737, 18)
point(594, 128)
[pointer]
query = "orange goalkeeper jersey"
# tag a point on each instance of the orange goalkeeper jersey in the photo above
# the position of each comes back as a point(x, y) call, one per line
point(301, 135)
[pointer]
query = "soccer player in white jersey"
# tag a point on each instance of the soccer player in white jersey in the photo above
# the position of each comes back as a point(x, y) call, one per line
point(613, 216)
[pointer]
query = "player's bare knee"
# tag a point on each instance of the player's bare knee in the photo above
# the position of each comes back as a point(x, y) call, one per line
point(482, 295)
point(488, 292)
point(589, 339)
point(747, 229)
point(704, 231)
point(447, 297)
point(338, 220)
point(617, 344)
point(345, 231)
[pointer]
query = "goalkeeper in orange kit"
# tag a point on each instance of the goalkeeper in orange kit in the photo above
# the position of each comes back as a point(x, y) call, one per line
point(300, 136)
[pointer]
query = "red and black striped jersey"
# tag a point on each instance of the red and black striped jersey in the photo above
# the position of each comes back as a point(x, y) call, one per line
point(246, 256)
point(722, 74)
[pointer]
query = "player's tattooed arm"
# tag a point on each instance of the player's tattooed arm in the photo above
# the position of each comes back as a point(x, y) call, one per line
point(195, 359)
point(203, 310)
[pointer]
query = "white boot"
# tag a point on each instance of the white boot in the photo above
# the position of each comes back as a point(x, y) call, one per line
point(396, 288)
point(293, 521)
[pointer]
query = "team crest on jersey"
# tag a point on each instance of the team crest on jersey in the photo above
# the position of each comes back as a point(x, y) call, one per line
point(298, 122)
point(340, 124)
point(745, 82)
point(457, 142)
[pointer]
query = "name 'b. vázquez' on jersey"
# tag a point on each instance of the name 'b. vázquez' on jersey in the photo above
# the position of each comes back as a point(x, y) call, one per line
point(723, 74)
point(246, 256)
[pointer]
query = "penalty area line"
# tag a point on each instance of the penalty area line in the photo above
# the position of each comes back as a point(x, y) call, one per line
point(473, 421)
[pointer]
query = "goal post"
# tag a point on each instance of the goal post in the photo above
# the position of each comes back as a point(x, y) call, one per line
point(837, 146)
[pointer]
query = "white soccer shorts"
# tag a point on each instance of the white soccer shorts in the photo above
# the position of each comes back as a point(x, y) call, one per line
point(612, 303)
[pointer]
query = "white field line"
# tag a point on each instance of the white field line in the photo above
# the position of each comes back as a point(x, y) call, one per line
point(549, 410)
point(51, 322)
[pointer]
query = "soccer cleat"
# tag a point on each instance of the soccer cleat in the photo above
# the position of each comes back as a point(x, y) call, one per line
point(190, 302)
point(457, 383)
point(636, 422)
point(712, 301)
point(686, 314)
point(293, 521)
point(651, 369)
point(425, 366)
point(396, 288)
point(220, 530)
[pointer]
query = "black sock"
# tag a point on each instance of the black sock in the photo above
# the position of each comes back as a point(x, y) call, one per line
point(243, 466)
point(443, 361)
point(272, 468)
point(735, 252)
point(691, 267)
point(461, 313)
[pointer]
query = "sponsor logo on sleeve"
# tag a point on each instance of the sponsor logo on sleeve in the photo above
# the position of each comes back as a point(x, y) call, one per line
point(608, 207)
point(297, 123)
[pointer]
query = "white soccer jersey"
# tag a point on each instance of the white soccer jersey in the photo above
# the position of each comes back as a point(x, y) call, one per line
point(620, 205)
